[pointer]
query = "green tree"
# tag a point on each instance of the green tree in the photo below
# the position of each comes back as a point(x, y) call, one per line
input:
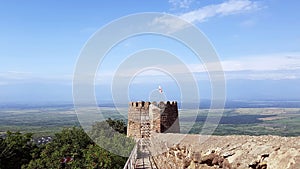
point(117, 125)
point(108, 134)
point(75, 143)
point(70, 142)
point(96, 157)
point(16, 149)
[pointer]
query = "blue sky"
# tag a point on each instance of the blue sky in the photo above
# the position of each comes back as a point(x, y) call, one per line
point(257, 42)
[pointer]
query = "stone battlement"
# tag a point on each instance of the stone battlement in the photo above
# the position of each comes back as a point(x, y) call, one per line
point(141, 104)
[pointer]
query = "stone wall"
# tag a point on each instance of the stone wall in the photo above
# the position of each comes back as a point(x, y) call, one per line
point(161, 118)
point(169, 117)
point(154, 114)
point(135, 110)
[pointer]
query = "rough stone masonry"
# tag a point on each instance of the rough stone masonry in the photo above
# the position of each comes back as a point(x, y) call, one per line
point(145, 118)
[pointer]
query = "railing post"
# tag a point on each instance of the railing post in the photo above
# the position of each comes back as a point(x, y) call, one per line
point(132, 158)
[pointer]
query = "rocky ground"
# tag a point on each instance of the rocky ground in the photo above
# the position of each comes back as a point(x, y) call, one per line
point(228, 152)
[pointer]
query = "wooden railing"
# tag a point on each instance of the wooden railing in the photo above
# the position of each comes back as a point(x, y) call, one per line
point(130, 164)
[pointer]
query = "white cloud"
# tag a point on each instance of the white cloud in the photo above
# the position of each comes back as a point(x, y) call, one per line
point(226, 8)
point(272, 76)
point(17, 77)
point(168, 24)
point(260, 67)
point(269, 62)
point(171, 24)
point(179, 4)
point(269, 66)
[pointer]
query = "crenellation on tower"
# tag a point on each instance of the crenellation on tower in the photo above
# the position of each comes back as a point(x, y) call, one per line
point(145, 117)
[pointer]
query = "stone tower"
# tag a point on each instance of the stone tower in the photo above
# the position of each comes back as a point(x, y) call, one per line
point(145, 118)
